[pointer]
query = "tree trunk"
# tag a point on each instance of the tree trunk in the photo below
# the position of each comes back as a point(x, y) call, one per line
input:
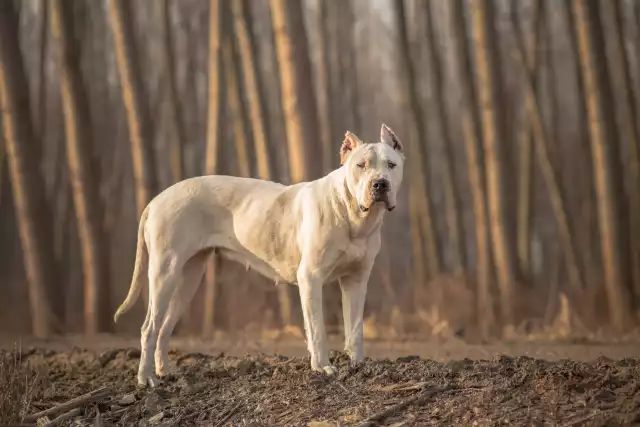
point(179, 133)
point(525, 142)
point(236, 107)
point(605, 152)
point(452, 196)
point(338, 116)
point(587, 239)
point(213, 301)
point(46, 298)
point(298, 97)
point(41, 118)
point(627, 120)
point(135, 101)
point(255, 95)
point(550, 173)
point(84, 174)
point(324, 90)
point(418, 184)
point(353, 66)
point(488, 82)
point(300, 109)
point(253, 88)
point(475, 164)
point(348, 68)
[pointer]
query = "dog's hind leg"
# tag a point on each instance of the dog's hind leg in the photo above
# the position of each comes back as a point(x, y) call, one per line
point(164, 278)
point(143, 369)
point(192, 273)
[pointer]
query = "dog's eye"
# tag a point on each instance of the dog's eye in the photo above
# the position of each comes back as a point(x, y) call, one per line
point(391, 165)
point(360, 165)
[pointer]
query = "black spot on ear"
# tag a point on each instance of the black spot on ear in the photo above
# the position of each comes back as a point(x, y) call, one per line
point(396, 143)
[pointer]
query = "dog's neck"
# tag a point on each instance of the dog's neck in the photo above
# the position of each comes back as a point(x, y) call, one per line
point(361, 224)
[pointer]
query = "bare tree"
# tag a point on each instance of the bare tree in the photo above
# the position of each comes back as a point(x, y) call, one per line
point(135, 101)
point(179, 132)
point(324, 89)
point(452, 196)
point(253, 87)
point(426, 247)
point(83, 172)
point(488, 82)
point(347, 63)
point(236, 107)
point(255, 97)
point(625, 107)
point(32, 210)
point(212, 295)
point(525, 139)
point(42, 76)
point(475, 164)
point(549, 171)
point(588, 238)
point(298, 97)
point(605, 152)
point(299, 105)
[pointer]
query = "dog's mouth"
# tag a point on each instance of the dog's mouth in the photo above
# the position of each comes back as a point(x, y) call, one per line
point(378, 199)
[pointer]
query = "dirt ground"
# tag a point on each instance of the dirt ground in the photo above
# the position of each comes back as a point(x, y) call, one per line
point(270, 384)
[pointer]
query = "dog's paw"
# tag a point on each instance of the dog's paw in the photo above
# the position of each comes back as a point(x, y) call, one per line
point(329, 370)
point(165, 376)
point(150, 381)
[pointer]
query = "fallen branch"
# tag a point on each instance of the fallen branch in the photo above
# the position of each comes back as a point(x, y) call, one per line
point(70, 404)
point(413, 400)
point(64, 417)
point(583, 419)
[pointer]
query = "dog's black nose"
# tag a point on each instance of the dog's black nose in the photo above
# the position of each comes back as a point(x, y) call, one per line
point(380, 185)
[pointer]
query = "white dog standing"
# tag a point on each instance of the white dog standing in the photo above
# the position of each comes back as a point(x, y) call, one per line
point(307, 234)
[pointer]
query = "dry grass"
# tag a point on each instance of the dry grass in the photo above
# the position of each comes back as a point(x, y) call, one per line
point(18, 384)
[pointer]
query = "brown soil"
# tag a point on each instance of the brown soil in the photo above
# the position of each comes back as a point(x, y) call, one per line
point(258, 389)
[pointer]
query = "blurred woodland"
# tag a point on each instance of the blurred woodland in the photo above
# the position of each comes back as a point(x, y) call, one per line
point(521, 121)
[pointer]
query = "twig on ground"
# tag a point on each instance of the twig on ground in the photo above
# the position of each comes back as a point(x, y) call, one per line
point(344, 387)
point(228, 415)
point(415, 399)
point(71, 404)
point(107, 356)
point(64, 417)
point(583, 419)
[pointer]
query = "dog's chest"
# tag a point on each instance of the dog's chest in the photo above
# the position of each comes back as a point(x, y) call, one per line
point(350, 256)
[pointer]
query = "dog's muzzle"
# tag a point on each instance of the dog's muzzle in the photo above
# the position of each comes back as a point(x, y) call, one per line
point(379, 194)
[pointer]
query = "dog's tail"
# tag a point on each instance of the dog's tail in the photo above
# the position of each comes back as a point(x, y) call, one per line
point(139, 270)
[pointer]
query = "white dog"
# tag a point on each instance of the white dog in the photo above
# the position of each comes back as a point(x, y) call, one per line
point(307, 234)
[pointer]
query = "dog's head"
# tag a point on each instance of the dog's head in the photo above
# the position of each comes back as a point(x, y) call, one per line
point(373, 170)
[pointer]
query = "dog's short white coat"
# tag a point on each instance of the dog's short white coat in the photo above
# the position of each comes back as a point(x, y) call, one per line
point(307, 234)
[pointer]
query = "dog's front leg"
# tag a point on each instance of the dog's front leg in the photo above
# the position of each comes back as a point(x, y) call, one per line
point(354, 294)
point(310, 286)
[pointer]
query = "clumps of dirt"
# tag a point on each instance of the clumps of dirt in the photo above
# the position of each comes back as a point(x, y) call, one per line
point(262, 390)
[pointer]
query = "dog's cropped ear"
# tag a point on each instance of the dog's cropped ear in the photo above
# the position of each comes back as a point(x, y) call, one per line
point(350, 143)
point(387, 136)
